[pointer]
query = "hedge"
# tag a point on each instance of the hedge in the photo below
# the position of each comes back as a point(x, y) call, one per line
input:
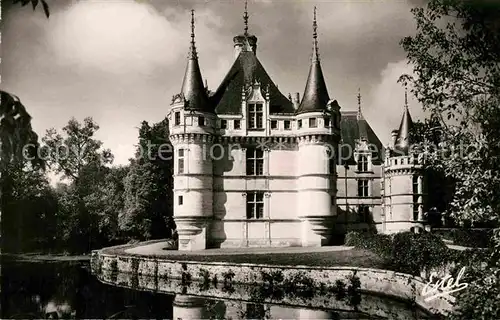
point(406, 252)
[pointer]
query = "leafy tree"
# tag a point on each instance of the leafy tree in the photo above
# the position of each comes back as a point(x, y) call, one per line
point(79, 157)
point(35, 4)
point(18, 142)
point(148, 185)
point(456, 59)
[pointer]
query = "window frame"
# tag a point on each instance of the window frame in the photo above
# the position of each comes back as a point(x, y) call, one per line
point(223, 123)
point(313, 122)
point(255, 116)
point(363, 188)
point(274, 124)
point(181, 156)
point(362, 163)
point(201, 121)
point(289, 126)
point(255, 205)
point(177, 118)
point(254, 156)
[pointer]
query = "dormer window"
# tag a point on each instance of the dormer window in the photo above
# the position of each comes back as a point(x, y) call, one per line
point(177, 118)
point(255, 116)
point(201, 121)
point(274, 124)
point(223, 124)
point(312, 123)
point(362, 163)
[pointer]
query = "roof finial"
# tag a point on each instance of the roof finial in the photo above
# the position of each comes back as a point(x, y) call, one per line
point(406, 96)
point(359, 100)
point(245, 18)
point(315, 38)
point(192, 51)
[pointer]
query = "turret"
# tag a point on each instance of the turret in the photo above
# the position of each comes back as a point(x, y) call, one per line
point(318, 137)
point(403, 141)
point(192, 124)
point(404, 183)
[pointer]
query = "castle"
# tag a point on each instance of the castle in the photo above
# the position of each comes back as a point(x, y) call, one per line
point(255, 168)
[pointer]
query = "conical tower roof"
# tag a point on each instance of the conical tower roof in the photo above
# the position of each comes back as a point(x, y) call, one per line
point(315, 96)
point(193, 90)
point(403, 140)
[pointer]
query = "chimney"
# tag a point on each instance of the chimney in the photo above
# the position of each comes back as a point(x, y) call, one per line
point(394, 135)
point(296, 100)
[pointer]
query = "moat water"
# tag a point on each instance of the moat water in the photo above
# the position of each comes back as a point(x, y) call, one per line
point(62, 290)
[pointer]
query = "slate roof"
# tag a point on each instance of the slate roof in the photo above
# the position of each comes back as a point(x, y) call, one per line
point(246, 70)
point(315, 94)
point(351, 129)
point(403, 139)
point(193, 89)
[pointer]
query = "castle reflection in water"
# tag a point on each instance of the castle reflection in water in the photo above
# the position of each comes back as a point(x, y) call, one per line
point(68, 290)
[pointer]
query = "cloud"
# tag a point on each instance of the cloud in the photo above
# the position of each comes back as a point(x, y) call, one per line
point(384, 107)
point(114, 36)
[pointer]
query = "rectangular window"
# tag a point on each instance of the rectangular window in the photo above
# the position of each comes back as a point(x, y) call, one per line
point(362, 188)
point(327, 122)
point(415, 208)
point(177, 120)
point(181, 200)
point(362, 163)
point(299, 124)
point(237, 124)
point(415, 184)
point(364, 213)
point(201, 121)
point(274, 124)
point(288, 125)
point(255, 205)
point(255, 116)
point(255, 162)
point(180, 161)
point(223, 124)
point(312, 123)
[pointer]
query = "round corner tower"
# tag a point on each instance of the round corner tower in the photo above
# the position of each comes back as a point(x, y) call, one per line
point(318, 135)
point(192, 123)
point(404, 182)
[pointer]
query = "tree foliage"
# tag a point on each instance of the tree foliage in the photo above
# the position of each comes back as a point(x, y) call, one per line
point(456, 64)
point(18, 142)
point(149, 184)
point(79, 157)
point(456, 59)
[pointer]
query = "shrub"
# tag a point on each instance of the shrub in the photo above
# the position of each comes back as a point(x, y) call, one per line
point(406, 252)
point(472, 237)
point(380, 244)
point(413, 253)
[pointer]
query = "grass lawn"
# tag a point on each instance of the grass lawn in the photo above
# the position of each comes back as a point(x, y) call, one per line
point(354, 257)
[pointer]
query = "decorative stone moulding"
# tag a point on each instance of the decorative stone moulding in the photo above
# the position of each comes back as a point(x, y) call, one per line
point(189, 225)
point(321, 225)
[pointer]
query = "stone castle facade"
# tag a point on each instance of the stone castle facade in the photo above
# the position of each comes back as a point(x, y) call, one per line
point(255, 168)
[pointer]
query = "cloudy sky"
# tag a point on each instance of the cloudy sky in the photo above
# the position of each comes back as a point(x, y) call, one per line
point(120, 61)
